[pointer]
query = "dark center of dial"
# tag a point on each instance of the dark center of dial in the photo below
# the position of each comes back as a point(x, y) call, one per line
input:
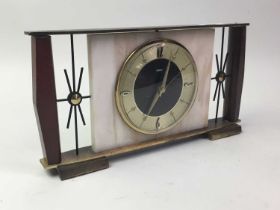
point(149, 81)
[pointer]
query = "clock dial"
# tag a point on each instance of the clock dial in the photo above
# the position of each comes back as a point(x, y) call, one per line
point(147, 85)
point(156, 86)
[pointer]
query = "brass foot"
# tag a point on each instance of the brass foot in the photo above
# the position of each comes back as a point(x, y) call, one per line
point(224, 132)
point(80, 168)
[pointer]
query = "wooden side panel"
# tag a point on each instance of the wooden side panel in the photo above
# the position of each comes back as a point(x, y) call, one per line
point(235, 68)
point(44, 98)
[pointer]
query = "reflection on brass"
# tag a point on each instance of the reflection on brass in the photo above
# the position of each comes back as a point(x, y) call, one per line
point(76, 99)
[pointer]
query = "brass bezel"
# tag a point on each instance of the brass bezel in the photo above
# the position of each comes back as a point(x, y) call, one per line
point(117, 91)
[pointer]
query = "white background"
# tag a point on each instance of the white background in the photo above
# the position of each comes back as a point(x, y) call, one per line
point(240, 172)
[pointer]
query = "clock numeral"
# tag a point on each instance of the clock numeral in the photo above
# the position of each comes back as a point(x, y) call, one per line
point(173, 116)
point(185, 67)
point(159, 51)
point(187, 84)
point(143, 58)
point(175, 54)
point(134, 75)
point(143, 120)
point(125, 93)
point(183, 101)
point(132, 109)
point(158, 124)
point(140, 65)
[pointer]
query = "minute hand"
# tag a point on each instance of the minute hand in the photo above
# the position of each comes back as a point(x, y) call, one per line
point(163, 85)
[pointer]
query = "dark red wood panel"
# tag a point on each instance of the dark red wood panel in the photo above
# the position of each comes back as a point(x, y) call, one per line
point(235, 68)
point(44, 98)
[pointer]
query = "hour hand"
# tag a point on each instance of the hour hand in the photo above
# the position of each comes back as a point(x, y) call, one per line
point(156, 97)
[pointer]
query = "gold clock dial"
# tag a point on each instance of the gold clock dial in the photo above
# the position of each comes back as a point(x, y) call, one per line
point(156, 86)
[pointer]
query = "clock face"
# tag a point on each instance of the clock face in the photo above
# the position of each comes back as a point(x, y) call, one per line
point(156, 86)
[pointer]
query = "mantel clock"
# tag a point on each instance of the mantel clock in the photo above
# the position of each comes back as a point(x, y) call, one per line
point(148, 87)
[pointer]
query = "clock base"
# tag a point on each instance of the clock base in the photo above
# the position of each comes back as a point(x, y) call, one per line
point(80, 168)
point(88, 161)
point(231, 130)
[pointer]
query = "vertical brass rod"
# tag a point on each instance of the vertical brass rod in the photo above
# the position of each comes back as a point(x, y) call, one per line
point(69, 117)
point(80, 80)
point(68, 81)
point(218, 102)
point(73, 62)
point(76, 131)
point(222, 48)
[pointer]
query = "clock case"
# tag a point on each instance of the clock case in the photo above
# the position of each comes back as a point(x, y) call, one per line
point(83, 160)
